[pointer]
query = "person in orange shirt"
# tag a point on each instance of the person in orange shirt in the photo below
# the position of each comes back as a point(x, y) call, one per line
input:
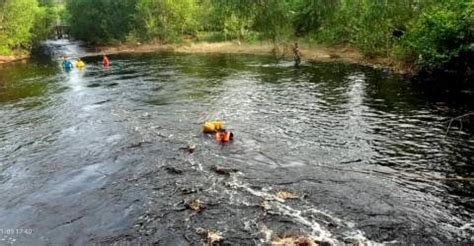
point(224, 136)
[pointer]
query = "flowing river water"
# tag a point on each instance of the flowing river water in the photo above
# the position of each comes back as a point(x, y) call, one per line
point(96, 156)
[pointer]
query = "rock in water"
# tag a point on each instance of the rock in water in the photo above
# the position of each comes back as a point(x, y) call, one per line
point(223, 170)
point(284, 195)
point(211, 237)
point(194, 204)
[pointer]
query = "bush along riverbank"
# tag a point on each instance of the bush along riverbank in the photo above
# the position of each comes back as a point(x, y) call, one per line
point(24, 23)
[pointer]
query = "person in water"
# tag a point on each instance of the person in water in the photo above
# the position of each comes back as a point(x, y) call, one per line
point(223, 135)
point(296, 54)
point(67, 65)
point(80, 64)
point(105, 61)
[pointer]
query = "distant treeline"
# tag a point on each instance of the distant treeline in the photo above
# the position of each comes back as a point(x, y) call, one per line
point(425, 33)
point(428, 33)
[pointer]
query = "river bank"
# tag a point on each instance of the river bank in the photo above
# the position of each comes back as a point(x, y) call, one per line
point(15, 58)
point(309, 52)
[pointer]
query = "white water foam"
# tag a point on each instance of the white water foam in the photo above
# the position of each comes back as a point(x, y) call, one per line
point(318, 233)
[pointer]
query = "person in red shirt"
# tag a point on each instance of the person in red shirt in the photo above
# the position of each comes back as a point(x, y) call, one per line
point(105, 61)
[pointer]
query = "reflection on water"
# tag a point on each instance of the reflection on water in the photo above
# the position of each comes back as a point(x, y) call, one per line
point(34, 81)
point(85, 154)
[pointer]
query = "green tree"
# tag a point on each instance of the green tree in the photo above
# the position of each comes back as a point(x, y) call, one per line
point(440, 33)
point(17, 18)
point(98, 21)
point(49, 14)
point(274, 18)
point(166, 19)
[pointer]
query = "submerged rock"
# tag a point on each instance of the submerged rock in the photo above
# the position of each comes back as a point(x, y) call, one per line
point(353, 242)
point(265, 206)
point(223, 170)
point(186, 190)
point(210, 237)
point(173, 170)
point(138, 145)
point(194, 204)
point(294, 240)
point(189, 148)
point(284, 195)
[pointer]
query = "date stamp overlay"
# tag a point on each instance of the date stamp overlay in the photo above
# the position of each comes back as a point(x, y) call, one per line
point(10, 235)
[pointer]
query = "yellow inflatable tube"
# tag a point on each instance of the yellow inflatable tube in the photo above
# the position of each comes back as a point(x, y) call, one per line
point(212, 126)
point(80, 64)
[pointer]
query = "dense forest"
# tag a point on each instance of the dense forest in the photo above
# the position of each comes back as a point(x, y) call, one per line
point(426, 33)
point(25, 22)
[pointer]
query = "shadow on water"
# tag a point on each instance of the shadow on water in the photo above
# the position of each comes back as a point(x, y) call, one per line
point(101, 160)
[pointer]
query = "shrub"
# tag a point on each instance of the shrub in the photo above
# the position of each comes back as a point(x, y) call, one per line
point(439, 34)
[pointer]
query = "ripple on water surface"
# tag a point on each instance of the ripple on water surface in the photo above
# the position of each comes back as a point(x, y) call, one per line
point(365, 152)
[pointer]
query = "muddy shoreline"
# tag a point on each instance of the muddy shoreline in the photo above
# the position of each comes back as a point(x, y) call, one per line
point(310, 53)
point(8, 59)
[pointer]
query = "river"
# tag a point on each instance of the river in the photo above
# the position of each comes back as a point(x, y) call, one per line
point(97, 156)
